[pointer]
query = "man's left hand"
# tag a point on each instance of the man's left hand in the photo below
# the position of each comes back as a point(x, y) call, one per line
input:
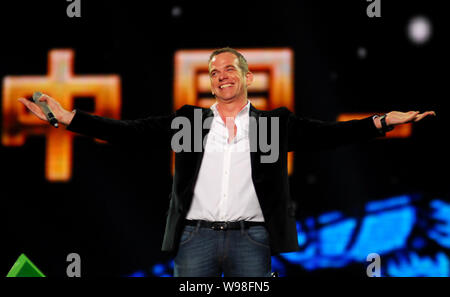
point(394, 118)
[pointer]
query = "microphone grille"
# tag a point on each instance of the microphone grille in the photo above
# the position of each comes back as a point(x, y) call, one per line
point(36, 95)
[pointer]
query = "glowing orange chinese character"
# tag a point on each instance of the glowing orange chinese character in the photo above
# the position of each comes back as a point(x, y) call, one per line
point(272, 86)
point(62, 84)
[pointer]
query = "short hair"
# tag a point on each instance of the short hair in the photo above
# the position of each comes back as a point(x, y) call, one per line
point(242, 61)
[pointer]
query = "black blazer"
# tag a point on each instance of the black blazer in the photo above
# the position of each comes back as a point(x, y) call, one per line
point(270, 179)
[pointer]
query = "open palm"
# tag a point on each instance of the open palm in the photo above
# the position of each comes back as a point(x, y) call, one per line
point(398, 117)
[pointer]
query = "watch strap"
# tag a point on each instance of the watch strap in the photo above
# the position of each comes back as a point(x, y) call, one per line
point(384, 125)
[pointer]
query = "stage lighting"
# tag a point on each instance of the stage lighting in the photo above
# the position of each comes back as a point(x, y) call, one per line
point(361, 53)
point(176, 11)
point(419, 30)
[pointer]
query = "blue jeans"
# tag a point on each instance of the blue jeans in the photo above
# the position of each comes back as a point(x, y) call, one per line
point(204, 252)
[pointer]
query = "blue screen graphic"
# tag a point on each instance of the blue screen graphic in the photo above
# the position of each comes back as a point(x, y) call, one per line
point(412, 238)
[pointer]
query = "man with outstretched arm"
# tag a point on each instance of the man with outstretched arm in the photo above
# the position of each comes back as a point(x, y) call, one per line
point(229, 210)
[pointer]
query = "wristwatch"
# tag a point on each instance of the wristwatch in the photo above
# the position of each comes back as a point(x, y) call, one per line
point(384, 126)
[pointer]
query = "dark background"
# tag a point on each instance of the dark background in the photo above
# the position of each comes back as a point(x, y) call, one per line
point(112, 212)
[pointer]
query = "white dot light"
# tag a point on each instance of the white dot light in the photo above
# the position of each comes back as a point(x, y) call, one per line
point(419, 29)
point(176, 11)
point(361, 53)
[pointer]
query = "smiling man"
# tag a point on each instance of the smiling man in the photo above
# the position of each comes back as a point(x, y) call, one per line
point(229, 211)
point(228, 71)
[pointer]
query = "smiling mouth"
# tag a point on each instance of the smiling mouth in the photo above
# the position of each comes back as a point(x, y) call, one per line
point(225, 86)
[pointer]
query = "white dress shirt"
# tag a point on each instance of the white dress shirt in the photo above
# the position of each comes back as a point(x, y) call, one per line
point(224, 190)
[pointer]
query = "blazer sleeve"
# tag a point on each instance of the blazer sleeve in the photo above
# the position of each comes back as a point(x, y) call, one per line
point(310, 134)
point(153, 130)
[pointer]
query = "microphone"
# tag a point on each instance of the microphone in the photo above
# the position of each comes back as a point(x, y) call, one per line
point(45, 109)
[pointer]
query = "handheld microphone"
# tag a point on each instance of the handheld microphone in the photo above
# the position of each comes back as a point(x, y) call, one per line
point(45, 109)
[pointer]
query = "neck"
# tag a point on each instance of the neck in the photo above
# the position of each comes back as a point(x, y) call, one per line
point(231, 109)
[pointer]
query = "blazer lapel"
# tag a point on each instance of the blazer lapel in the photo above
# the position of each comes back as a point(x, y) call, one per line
point(253, 137)
point(206, 113)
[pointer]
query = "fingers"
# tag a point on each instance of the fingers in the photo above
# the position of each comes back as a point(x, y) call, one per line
point(423, 115)
point(398, 118)
point(52, 103)
point(46, 98)
point(36, 110)
point(30, 105)
point(411, 116)
point(43, 97)
point(23, 101)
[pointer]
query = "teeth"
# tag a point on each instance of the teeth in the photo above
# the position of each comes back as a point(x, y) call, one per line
point(225, 86)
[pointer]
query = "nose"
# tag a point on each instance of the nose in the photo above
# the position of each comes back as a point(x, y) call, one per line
point(223, 75)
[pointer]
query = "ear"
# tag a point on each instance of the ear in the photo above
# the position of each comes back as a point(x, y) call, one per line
point(249, 78)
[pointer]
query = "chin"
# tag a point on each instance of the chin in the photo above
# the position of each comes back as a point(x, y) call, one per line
point(227, 99)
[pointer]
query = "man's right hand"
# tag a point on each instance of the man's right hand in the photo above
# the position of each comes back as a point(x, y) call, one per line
point(63, 116)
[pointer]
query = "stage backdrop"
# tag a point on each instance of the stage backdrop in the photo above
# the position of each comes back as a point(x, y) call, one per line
point(62, 193)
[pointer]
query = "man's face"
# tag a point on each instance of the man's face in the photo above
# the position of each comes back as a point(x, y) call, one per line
point(227, 80)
